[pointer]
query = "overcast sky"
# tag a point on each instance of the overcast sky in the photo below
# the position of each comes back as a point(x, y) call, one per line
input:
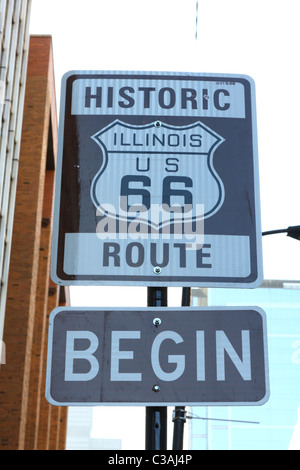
point(259, 38)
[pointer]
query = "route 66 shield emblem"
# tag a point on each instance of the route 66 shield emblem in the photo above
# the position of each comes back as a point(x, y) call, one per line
point(157, 169)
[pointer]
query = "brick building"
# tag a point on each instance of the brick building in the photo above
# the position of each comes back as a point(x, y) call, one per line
point(27, 421)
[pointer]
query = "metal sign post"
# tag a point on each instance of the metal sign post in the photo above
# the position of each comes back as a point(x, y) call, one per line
point(156, 416)
point(179, 414)
point(157, 186)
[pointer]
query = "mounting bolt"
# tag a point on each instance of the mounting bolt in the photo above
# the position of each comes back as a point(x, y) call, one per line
point(157, 322)
point(156, 388)
point(157, 123)
point(157, 270)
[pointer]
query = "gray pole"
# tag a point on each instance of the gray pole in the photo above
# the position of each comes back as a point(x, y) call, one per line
point(156, 416)
point(179, 415)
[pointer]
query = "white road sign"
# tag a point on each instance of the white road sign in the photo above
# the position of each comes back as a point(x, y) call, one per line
point(157, 181)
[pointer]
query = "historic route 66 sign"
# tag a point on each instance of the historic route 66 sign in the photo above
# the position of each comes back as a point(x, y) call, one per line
point(157, 181)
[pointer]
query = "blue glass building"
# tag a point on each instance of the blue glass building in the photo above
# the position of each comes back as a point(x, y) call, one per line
point(270, 426)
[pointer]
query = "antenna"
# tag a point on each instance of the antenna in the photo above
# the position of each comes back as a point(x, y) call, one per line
point(196, 35)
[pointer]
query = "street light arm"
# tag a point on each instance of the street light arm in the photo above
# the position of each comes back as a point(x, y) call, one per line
point(293, 232)
point(271, 232)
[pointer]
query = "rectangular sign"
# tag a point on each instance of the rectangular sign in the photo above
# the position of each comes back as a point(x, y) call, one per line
point(157, 181)
point(152, 356)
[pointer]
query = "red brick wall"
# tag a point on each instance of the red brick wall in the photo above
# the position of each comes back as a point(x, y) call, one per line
point(27, 421)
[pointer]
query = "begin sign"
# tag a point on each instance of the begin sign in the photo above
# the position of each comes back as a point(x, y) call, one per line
point(157, 181)
point(152, 356)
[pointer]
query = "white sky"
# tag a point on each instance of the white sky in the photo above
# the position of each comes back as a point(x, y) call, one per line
point(259, 38)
